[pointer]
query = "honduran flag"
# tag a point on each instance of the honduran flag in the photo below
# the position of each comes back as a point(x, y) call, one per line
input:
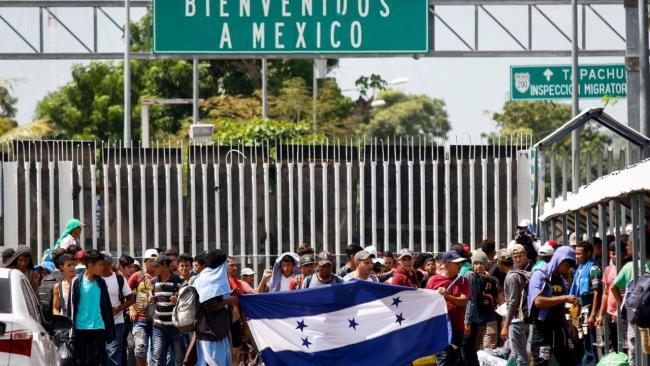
point(355, 323)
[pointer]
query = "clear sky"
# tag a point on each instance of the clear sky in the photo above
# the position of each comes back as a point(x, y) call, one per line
point(469, 86)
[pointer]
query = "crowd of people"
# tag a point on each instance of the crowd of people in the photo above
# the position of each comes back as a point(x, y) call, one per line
point(526, 303)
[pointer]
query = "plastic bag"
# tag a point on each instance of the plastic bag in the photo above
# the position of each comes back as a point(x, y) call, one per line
point(614, 359)
point(65, 354)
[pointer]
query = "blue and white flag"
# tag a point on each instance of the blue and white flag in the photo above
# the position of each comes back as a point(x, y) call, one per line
point(357, 322)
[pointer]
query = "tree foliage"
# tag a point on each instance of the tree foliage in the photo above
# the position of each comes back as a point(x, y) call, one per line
point(407, 115)
point(259, 131)
point(7, 101)
point(539, 119)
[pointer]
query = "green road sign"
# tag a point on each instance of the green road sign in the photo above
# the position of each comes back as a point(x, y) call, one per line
point(554, 82)
point(291, 26)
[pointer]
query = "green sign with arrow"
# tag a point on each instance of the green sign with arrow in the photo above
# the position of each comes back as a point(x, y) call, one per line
point(554, 82)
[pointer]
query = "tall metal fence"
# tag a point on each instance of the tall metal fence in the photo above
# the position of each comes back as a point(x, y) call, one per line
point(260, 200)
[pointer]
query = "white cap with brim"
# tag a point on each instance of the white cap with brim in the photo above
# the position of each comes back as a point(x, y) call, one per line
point(150, 254)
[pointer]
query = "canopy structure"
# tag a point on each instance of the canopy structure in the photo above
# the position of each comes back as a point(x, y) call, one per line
point(618, 185)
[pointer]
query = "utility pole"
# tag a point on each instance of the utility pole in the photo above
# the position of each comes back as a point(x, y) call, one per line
point(265, 107)
point(644, 79)
point(127, 75)
point(575, 108)
point(632, 66)
point(195, 91)
point(314, 96)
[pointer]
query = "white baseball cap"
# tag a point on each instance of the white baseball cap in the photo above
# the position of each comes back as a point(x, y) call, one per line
point(372, 250)
point(247, 272)
point(150, 254)
point(546, 250)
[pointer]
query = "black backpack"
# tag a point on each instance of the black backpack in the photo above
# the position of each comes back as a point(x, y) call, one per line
point(487, 300)
point(46, 294)
point(637, 302)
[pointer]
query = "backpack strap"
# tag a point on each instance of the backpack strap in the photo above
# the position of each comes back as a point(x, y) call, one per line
point(120, 287)
point(63, 308)
point(308, 281)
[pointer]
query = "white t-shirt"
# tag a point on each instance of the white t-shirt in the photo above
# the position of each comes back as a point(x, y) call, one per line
point(353, 276)
point(114, 292)
point(68, 241)
point(284, 283)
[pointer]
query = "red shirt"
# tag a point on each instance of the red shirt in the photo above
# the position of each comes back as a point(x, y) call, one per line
point(455, 313)
point(402, 277)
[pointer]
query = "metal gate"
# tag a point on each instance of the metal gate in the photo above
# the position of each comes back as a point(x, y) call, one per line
point(260, 200)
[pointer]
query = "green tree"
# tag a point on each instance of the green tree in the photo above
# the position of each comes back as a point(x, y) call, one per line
point(334, 111)
point(7, 101)
point(293, 102)
point(539, 119)
point(258, 131)
point(406, 115)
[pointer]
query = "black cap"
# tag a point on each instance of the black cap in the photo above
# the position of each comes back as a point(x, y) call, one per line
point(163, 260)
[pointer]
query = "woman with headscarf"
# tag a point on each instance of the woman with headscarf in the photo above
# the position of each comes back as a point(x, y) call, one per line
point(70, 236)
point(22, 261)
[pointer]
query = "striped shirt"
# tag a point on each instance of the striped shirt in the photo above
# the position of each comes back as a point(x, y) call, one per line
point(163, 291)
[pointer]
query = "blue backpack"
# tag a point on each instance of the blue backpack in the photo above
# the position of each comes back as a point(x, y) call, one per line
point(637, 302)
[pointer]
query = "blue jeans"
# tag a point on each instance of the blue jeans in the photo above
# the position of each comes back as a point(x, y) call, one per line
point(141, 339)
point(518, 341)
point(164, 340)
point(589, 340)
point(115, 349)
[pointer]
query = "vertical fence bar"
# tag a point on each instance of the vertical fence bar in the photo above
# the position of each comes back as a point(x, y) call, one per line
point(619, 263)
point(605, 259)
point(622, 156)
point(301, 211)
point(107, 224)
point(26, 172)
point(484, 192)
point(93, 195)
point(362, 195)
point(278, 185)
point(634, 236)
point(39, 198)
point(179, 184)
point(337, 207)
point(435, 190)
point(129, 179)
point(565, 226)
point(348, 193)
point(610, 168)
point(423, 205)
point(497, 198)
point(292, 238)
point(50, 172)
point(459, 192)
point(267, 212)
point(590, 229)
point(254, 212)
point(398, 199)
point(411, 216)
point(472, 200)
point(168, 202)
point(231, 247)
point(80, 178)
point(118, 203)
point(325, 225)
point(242, 213)
point(373, 194)
point(509, 199)
point(217, 201)
point(156, 211)
point(229, 225)
point(193, 200)
point(312, 200)
point(204, 185)
point(386, 204)
point(448, 239)
point(143, 203)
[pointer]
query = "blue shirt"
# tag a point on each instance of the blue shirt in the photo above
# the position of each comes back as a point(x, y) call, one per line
point(89, 315)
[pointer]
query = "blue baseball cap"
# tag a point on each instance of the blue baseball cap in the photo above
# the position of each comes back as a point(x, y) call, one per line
point(452, 256)
point(48, 266)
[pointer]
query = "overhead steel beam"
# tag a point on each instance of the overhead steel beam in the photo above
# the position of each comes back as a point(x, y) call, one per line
point(189, 56)
point(145, 3)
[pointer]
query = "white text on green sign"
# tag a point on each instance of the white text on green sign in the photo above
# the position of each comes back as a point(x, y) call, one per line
point(554, 82)
point(291, 26)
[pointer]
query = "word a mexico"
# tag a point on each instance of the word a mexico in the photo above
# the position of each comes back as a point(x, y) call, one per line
point(554, 82)
point(291, 26)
